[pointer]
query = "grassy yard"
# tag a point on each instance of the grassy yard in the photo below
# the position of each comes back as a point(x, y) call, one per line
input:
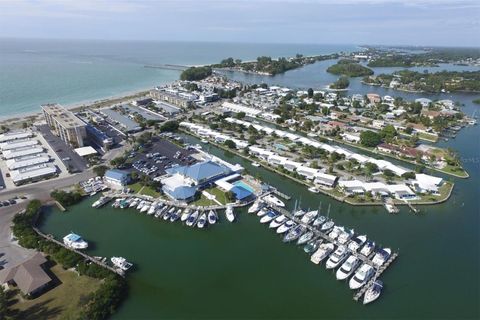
point(219, 194)
point(62, 302)
point(203, 202)
point(428, 137)
point(457, 171)
point(148, 191)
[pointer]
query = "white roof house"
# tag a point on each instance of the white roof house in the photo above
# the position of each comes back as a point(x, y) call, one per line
point(16, 144)
point(291, 165)
point(276, 159)
point(325, 179)
point(239, 108)
point(426, 183)
point(14, 164)
point(15, 153)
point(307, 172)
point(15, 135)
point(32, 173)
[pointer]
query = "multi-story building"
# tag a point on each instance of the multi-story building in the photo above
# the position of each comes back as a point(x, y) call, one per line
point(181, 99)
point(65, 124)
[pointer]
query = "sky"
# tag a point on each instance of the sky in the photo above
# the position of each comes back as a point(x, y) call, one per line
point(389, 22)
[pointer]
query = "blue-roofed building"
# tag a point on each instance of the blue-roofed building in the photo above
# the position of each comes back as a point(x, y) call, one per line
point(118, 178)
point(241, 193)
point(98, 137)
point(184, 182)
point(202, 172)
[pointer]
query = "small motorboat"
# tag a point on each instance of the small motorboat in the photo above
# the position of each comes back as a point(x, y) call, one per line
point(185, 215)
point(257, 205)
point(278, 221)
point(256, 164)
point(327, 226)
point(373, 292)
point(309, 216)
point(313, 190)
point(202, 221)
point(269, 217)
point(357, 242)
point(294, 233)
point(311, 246)
point(286, 226)
point(212, 217)
point(230, 214)
point(192, 218)
point(262, 212)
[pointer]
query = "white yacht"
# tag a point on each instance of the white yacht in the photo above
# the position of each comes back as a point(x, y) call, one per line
point(160, 211)
point(274, 200)
point(192, 218)
point(373, 292)
point(322, 252)
point(286, 226)
point(363, 274)
point(121, 263)
point(75, 241)
point(230, 214)
point(257, 205)
point(347, 268)
point(277, 222)
point(298, 213)
point(202, 221)
point(175, 215)
point(327, 226)
point(381, 256)
point(153, 207)
point(337, 257)
point(262, 212)
point(101, 202)
point(212, 217)
point(335, 233)
point(309, 216)
point(140, 205)
point(146, 207)
point(269, 217)
point(305, 238)
point(133, 203)
point(368, 248)
point(345, 236)
point(319, 221)
point(185, 215)
point(256, 164)
point(357, 242)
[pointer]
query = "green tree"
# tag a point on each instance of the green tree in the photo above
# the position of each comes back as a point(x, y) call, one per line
point(370, 139)
point(100, 170)
point(230, 144)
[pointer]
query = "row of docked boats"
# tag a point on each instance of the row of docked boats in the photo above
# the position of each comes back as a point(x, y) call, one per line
point(159, 209)
point(353, 256)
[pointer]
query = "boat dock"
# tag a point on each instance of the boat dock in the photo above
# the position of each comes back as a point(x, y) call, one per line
point(280, 194)
point(364, 259)
point(415, 210)
point(86, 256)
point(378, 273)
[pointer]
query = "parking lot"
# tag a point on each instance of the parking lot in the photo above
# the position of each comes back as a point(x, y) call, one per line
point(65, 153)
point(160, 156)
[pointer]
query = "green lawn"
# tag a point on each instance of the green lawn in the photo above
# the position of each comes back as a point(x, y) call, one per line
point(455, 171)
point(428, 137)
point(148, 191)
point(219, 194)
point(203, 202)
point(62, 302)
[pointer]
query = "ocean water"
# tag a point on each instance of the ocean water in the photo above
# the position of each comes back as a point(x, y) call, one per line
point(33, 72)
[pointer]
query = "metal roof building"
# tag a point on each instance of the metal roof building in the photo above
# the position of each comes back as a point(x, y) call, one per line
point(15, 135)
point(14, 164)
point(22, 152)
point(33, 173)
point(17, 144)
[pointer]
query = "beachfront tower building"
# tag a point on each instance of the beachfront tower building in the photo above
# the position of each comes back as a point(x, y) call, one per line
point(65, 124)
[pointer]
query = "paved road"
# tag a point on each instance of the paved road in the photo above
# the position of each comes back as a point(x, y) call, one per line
point(10, 252)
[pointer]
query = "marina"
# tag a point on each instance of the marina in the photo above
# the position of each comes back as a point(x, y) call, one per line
point(309, 232)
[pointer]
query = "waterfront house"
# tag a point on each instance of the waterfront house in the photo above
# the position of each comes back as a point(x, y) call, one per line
point(29, 276)
point(425, 183)
point(374, 98)
point(423, 101)
point(307, 172)
point(324, 179)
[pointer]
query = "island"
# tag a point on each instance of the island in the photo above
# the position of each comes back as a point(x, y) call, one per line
point(350, 68)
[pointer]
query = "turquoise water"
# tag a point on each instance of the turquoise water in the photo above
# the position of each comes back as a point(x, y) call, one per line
point(244, 186)
point(33, 72)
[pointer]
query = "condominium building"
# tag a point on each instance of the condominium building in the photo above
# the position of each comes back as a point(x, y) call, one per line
point(172, 96)
point(65, 124)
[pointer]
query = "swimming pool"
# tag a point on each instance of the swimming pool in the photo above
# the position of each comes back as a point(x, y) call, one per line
point(244, 185)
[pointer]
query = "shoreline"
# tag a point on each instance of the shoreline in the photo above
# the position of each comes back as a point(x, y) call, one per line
point(20, 117)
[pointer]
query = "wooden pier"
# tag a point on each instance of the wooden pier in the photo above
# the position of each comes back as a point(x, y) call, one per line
point(86, 256)
point(364, 259)
point(280, 194)
point(415, 210)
